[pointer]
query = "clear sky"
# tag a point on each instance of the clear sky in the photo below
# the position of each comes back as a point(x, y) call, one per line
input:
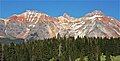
point(55, 8)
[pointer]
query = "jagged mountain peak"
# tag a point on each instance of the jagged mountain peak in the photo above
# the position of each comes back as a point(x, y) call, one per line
point(95, 12)
point(65, 15)
point(94, 24)
point(33, 12)
point(30, 16)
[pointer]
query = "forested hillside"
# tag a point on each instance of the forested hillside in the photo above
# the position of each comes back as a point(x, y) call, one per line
point(61, 49)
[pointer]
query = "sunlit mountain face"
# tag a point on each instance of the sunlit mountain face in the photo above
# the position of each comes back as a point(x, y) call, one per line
point(37, 25)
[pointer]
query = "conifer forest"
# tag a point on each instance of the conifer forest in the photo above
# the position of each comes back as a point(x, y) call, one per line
point(62, 49)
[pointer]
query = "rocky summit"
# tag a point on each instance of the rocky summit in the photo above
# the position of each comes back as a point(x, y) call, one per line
point(38, 25)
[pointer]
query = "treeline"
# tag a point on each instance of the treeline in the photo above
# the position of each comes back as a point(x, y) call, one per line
point(61, 49)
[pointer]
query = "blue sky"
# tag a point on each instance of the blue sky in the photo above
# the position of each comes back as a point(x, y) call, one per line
point(55, 8)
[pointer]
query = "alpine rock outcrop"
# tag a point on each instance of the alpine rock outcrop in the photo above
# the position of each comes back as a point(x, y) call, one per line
point(38, 25)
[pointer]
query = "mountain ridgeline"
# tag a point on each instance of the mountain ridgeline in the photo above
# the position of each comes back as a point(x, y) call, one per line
point(93, 37)
point(38, 25)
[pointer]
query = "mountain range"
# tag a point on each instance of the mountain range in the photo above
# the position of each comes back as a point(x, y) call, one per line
point(38, 25)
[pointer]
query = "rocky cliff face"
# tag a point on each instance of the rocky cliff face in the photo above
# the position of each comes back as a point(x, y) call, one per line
point(37, 25)
point(96, 24)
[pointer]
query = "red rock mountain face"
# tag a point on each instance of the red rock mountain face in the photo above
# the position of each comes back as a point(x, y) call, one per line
point(37, 25)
